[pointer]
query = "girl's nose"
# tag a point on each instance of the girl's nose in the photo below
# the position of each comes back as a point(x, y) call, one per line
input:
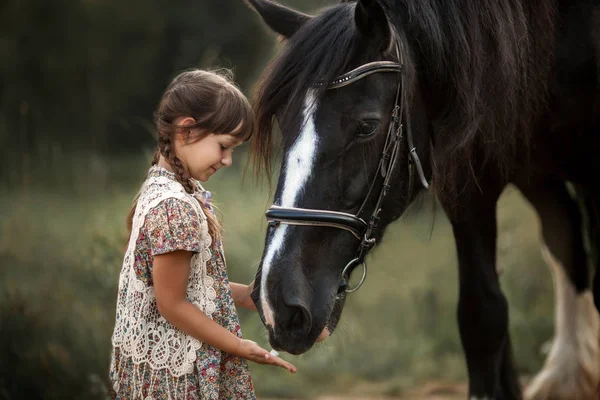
point(227, 161)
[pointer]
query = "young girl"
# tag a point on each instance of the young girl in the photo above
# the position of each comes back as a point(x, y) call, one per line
point(177, 334)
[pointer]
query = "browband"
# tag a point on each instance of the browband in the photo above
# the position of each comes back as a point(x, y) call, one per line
point(362, 71)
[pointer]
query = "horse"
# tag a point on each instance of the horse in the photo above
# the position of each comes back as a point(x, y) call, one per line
point(378, 101)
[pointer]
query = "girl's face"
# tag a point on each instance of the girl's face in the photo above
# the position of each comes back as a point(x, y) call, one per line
point(206, 156)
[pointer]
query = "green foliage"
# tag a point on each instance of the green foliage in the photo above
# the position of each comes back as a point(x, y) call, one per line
point(88, 74)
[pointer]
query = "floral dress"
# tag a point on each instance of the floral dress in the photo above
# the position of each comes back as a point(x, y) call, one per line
point(152, 359)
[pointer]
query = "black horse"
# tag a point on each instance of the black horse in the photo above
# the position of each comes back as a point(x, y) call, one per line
point(377, 100)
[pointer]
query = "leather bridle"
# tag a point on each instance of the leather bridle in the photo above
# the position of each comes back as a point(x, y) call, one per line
point(353, 223)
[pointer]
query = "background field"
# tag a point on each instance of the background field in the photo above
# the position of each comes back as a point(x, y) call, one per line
point(76, 101)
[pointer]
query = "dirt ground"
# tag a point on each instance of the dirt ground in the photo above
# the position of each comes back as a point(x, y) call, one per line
point(432, 390)
point(429, 391)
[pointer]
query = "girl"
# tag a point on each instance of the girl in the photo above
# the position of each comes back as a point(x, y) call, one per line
point(177, 334)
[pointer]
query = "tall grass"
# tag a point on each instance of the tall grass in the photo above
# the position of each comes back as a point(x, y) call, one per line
point(62, 234)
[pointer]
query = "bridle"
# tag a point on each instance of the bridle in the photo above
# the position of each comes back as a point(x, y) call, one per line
point(353, 223)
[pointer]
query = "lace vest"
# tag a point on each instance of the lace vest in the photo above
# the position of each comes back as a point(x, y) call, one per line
point(140, 331)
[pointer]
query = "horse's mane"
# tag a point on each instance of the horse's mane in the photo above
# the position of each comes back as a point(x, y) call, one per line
point(483, 68)
point(317, 52)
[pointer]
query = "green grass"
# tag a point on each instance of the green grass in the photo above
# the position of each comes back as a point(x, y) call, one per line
point(62, 234)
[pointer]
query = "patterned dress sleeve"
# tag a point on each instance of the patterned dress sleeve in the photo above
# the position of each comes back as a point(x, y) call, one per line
point(172, 225)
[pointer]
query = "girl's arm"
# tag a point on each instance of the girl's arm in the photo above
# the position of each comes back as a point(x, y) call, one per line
point(241, 295)
point(170, 272)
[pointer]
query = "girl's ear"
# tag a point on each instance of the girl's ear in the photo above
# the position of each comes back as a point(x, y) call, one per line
point(183, 130)
point(182, 134)
point(182, 122)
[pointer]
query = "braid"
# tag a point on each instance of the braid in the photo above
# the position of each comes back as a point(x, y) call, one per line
point(180, 172)
point(183, 177)
point(156, 157)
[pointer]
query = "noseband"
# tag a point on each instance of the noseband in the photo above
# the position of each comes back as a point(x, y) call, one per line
point(353, 223)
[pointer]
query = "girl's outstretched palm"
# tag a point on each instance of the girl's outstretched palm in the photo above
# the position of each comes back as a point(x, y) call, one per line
point(253, 352)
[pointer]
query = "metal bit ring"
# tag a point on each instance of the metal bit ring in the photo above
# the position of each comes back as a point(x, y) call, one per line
point(351, 265)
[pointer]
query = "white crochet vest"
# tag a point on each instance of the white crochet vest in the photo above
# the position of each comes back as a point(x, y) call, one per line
point(140, 331)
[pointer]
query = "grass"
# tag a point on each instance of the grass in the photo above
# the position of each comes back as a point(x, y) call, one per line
point(62, 234)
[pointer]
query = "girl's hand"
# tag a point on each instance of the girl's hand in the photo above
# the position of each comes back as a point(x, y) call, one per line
point(253, 352)
point(247, 299)
point(241, 295)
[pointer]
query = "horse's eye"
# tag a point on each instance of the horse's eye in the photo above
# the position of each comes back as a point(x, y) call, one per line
point(367, 127)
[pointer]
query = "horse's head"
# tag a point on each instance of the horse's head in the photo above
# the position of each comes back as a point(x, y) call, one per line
point(346, 141)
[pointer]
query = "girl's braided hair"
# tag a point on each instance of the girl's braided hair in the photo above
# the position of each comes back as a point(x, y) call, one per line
point(217, 105)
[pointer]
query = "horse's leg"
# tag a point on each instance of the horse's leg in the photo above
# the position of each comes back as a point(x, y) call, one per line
point(571, 370)
point(482, 307)
point(591, 202)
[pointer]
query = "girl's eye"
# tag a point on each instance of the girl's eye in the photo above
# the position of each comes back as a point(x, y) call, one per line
point(224, 148)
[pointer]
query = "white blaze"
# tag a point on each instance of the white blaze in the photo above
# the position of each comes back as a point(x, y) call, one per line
point(298, 167)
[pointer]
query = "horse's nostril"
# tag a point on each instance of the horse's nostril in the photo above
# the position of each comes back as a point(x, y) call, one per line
point(297, 318)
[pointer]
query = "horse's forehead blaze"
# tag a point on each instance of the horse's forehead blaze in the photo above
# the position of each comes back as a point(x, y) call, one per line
point(298, 168)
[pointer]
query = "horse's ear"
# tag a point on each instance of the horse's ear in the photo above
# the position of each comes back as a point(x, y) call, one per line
point(281, 19)
point(372, 22)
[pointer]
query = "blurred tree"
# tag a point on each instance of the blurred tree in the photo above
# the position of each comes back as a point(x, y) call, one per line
point(87, 74)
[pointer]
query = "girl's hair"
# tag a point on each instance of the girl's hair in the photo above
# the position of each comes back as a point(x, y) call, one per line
point(217, 105)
